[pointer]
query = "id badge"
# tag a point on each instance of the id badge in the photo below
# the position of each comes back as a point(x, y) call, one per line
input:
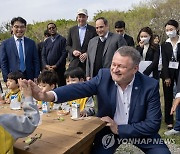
point(173, 65)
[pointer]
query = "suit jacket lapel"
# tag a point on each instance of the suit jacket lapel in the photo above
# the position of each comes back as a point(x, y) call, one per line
point(77, 36)
point(94, 49)
point(108, 40)
point(134, 95)
point(14, 47)
point(86, 35)
point(25, 47)
point(113, 98)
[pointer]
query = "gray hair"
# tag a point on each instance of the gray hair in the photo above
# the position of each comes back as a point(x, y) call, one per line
point(130, 52)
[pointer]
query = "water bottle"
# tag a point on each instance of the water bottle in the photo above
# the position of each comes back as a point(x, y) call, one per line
point(45, 107)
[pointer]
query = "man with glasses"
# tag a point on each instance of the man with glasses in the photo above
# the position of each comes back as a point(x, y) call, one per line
point(19, 52)
point(54, 53)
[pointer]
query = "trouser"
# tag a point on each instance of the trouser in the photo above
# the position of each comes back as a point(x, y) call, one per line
point(106, 142)
point(168, 99)
point(61, 78)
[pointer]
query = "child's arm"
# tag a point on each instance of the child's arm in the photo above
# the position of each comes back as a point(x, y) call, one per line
point(21, 126)
point(89, 107)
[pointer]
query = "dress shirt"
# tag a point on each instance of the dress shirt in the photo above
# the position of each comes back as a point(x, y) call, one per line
point(123, 100)
point(82, 31)
point(17, 45)
point(174, 46)
point(104, 38)
point(146, 46)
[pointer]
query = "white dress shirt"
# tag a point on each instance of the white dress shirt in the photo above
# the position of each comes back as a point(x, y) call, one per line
point(17, 45)
point(123, 100)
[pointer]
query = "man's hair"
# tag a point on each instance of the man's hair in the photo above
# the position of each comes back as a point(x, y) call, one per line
point(48, 77)
point(119, 24)
point(51, 23)
point(104, 20)
point(20, 19)
point(130, 52)
point(15, 76)
point(74, 72)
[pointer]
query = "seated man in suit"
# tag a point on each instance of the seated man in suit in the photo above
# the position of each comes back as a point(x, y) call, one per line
point(120, 29)
point(128, 104)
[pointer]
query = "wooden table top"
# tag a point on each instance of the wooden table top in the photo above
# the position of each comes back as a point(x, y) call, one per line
point(58, 137)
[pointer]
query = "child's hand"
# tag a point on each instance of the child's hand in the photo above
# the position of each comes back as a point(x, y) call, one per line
point(25, 87)
point(83, 113)
point(7, 101)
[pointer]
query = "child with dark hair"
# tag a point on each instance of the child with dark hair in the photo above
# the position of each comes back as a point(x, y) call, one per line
point(13, 96)
point(75, 75)
point(47, 80)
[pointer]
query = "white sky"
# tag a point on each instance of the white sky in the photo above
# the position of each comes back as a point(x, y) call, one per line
point(42, 10)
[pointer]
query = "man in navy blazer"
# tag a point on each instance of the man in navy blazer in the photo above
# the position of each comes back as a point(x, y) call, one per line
point(128, 102)
point(10, 54)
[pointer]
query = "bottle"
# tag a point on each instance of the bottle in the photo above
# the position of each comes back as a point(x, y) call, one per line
point(75, 110)
point(45, 107)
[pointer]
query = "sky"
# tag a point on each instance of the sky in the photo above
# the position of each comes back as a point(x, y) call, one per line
point(42, 10)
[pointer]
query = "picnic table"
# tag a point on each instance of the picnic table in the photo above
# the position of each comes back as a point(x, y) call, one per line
point(60, 134)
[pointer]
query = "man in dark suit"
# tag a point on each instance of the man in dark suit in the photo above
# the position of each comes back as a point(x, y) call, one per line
point(78, 39)
point(54, 53)
point(101, 48)
point(128, 104)
point(40, 46)
point(120, 29)
point(19, 52)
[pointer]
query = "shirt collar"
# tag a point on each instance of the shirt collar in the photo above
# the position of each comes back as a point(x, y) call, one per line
point(82, 26)
point(130, 84)
point(105, 37)
point(18, 38)
point(169, 40)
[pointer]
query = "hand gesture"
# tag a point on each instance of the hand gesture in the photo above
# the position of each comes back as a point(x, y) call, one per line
point(111, 123)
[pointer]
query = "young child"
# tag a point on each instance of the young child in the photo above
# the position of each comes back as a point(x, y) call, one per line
point(75, 75)
point(47, 80)
point(13, 127)
point(13, 96)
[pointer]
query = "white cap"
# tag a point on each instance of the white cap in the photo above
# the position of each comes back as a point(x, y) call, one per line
point(82, 11)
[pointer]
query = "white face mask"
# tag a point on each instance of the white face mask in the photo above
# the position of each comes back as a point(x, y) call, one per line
point(171, 34)
point(145, 39)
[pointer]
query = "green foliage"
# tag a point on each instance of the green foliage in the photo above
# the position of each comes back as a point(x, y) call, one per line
point(152, 13)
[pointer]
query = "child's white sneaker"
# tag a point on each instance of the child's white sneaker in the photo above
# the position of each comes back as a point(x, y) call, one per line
point(172, 132)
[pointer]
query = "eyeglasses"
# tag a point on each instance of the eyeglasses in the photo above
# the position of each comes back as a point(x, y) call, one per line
point(19, 27)
point(51, 28)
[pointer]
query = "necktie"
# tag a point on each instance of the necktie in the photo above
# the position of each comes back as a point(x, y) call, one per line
point(21, 56)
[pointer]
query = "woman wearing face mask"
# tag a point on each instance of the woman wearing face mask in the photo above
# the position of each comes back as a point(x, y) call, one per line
point(170, 63)
point(149, 51)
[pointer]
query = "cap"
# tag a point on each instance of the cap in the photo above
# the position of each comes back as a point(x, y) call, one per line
point(82, 11)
